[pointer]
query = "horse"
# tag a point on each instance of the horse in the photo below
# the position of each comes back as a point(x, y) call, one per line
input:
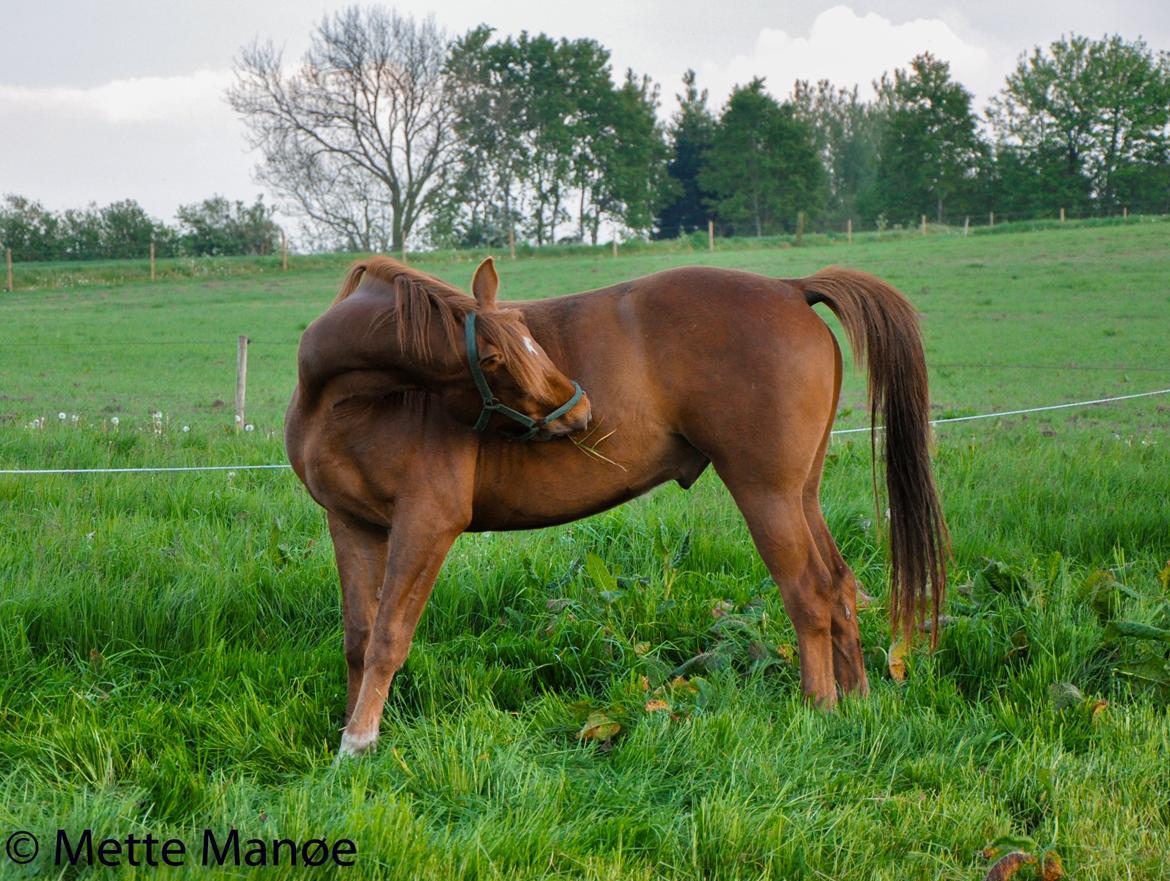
point(421, 413)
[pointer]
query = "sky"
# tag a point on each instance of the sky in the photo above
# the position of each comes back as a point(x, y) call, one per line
point(102, 100)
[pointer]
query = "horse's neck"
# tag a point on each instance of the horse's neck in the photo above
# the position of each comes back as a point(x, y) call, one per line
point(352, 337)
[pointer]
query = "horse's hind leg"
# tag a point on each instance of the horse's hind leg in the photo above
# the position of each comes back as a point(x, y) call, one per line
point(361, 565)
point(776, 519)
point(848, 665)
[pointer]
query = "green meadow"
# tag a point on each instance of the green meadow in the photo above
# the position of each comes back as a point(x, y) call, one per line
point(616, 698)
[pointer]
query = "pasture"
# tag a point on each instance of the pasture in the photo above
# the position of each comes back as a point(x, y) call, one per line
point(615, 698)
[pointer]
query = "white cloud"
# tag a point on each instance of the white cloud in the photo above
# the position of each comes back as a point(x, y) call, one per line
point(846, 48)
point(162, 140)
point(169, 99)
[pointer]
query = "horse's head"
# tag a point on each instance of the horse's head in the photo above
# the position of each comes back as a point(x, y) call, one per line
point(514, 376)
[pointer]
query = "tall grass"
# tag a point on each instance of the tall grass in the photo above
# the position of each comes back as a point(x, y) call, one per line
point(170, 646)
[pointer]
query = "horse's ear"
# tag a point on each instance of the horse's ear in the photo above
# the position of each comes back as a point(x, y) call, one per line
point(485, 283)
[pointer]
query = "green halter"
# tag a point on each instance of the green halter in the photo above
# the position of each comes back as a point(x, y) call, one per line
point(492, 404)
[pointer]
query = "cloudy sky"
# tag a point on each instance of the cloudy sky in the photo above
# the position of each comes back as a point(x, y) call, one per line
point(109, 99)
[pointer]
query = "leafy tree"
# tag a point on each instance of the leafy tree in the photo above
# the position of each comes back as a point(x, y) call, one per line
point(845, 130)
point(762, 166)
point(542, 131)
point(1090, 117)
point(126, 230)
point(216, 226)
point(79, 233)
point(692, 129)
point(479, 202)
point(929, 149)
point(29, 229)
point(633, 179)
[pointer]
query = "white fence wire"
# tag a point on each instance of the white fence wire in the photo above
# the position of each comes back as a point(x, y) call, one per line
point(173, 469)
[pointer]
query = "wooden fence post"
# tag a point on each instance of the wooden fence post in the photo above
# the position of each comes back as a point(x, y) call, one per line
point(710, 235)
point(283, 251)
point(1125, 212)
point(924, 224)
point(1062, 214)
point(152, 274)
point(966, 224)
point(799, 228)
point(849, 230)
point(615, 243)
point(8, 260)
point(991, 218)
point(512, 241)
point(241, 379)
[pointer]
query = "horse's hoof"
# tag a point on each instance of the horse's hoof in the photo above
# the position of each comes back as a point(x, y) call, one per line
point(353, 746)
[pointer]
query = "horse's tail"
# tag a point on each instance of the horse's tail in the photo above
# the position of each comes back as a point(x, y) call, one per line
point(352, 280)
point(883, 332)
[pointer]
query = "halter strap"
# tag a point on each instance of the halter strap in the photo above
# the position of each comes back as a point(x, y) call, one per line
point(492, 404)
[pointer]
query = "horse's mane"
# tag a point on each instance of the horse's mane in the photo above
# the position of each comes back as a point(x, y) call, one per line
point(420, 298)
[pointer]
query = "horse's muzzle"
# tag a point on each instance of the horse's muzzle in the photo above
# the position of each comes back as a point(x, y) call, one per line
point(575, 420)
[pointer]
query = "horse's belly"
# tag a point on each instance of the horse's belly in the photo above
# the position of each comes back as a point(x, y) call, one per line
point(562, 489)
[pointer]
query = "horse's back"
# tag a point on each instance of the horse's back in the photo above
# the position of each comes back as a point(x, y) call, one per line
point(723, 358)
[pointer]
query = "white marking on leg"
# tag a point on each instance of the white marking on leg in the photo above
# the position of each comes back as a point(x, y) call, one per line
point(356, 744)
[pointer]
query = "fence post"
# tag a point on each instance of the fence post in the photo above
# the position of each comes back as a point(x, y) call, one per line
point(512, 241)
point(1125, 212)
point(710, 235)
point(283, 251)
point(152, 274)
point(966, 224)
point(241, 379)
point(849, 230)
point(924, 224)
point(615, 246)
point(1062, 214)
point(991, 218)
point(799, 228)
point(8, 260)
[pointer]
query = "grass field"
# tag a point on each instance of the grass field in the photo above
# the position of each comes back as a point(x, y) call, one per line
point(170, 646)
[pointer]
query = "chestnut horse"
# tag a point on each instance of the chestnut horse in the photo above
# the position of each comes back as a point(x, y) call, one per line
point(681, 369)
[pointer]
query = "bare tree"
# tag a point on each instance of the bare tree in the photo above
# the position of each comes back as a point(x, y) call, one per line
point(355, 138)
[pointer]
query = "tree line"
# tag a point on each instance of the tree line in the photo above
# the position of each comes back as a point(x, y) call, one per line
point(387, 130)
point(120, 230)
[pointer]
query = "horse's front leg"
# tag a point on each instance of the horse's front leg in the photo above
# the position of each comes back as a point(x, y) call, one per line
point(417, 550)
point(361, 565)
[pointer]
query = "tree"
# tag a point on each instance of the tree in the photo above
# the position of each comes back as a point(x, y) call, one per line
point(691, 130)
point(355, 138)
point(216, 226)
point(126, 230)
point(632, 181)
point(29, 229)
point(542, 131)
point(479, 203)
point(762, 166)
point(929, 146)
point(1091, 116)
point(845, 130)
